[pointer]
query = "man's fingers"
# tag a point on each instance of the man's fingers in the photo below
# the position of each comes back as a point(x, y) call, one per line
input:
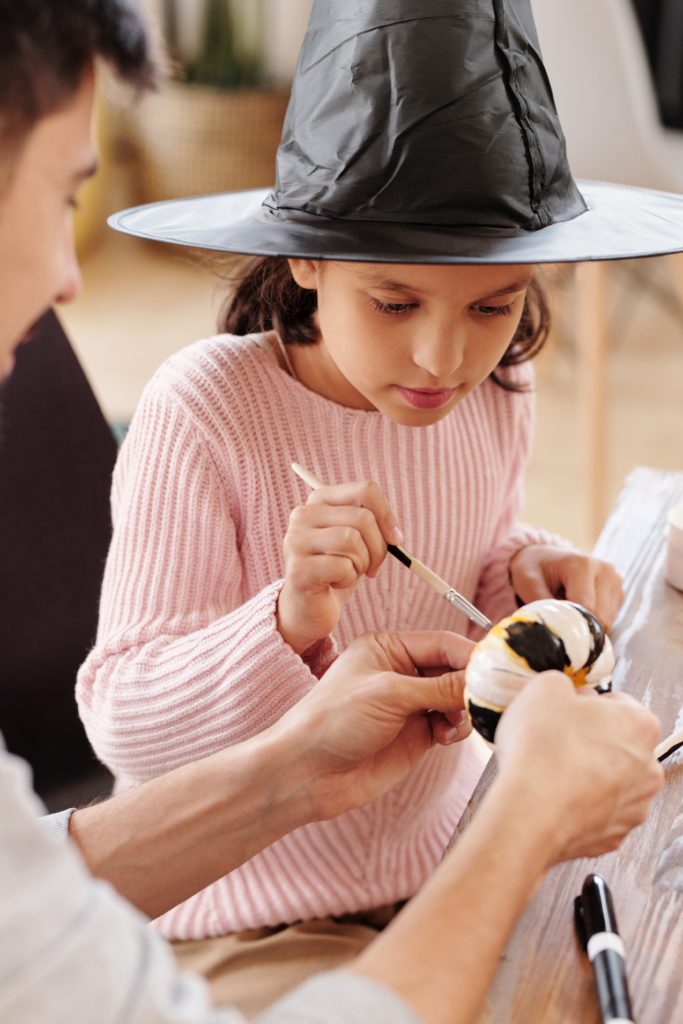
point(451, 727)
point(438, 649)
point(538, 684)
point(648, 727)
point(442, 693)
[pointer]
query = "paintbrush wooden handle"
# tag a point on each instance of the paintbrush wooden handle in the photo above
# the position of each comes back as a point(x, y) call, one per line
point(308, 478)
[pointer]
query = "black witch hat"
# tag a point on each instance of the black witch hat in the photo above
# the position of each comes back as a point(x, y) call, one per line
point(422, 131)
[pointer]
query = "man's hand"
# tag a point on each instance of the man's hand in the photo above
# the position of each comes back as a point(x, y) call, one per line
point(374, 714)
point(586, 763)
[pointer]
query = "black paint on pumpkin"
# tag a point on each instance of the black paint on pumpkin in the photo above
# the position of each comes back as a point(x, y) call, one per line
point(538, 645)
point(484, 720)
point(597, 635)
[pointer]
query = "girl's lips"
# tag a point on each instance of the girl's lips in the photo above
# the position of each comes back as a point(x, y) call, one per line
point(426, 398)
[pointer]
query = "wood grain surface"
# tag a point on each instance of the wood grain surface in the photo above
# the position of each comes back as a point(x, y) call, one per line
point(543, 976)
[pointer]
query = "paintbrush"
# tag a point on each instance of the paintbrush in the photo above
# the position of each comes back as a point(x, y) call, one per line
point(669, 745)
point(415, 565)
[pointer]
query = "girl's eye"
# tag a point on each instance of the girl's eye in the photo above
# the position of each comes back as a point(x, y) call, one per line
point(494, 310)
point(392, 308)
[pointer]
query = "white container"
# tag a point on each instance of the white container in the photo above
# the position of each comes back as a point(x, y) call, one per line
point(674, 551)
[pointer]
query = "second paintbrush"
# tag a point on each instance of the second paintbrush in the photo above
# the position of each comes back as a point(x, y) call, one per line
point(437, 584)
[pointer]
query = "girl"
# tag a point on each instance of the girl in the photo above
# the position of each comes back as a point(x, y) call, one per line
point(411, 377)
point(401, 360)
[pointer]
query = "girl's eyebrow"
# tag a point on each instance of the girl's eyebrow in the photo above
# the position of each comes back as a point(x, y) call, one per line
point(508, 289)
point(389, 285)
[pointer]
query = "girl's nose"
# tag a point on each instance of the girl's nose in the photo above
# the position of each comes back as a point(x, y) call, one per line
point(441, 354)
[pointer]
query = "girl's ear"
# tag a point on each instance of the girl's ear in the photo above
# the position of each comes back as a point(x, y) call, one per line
point(305, 273)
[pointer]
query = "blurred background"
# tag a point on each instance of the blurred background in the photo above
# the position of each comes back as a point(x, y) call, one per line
point(609, 380)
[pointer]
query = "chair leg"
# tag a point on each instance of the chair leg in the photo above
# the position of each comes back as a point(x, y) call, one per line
point(674, 264)
point(592, 332)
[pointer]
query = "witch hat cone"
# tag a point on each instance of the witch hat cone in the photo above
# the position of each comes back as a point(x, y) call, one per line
point(422, 133)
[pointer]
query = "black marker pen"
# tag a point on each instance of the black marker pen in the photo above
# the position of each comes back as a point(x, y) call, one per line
point(596, 927)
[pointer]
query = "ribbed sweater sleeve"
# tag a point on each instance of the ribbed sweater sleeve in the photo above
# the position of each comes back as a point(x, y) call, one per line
point(183, 665)
point(495, 594)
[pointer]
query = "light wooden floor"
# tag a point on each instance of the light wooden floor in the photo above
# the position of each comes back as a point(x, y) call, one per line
point(141, 302)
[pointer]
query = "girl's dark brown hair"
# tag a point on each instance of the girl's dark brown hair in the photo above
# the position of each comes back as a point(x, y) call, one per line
point(266, 297)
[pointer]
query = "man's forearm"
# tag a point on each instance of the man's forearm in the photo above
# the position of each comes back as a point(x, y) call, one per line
point(164, 841)
point(442, 951)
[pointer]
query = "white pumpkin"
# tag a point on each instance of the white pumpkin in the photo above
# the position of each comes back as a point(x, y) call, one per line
point(543, 635)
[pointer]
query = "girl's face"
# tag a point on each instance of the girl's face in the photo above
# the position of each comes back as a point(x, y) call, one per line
point(408, 340)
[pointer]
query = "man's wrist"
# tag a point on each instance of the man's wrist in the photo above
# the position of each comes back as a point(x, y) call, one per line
point(169, 838)
point(523, 807)
point(288, 774)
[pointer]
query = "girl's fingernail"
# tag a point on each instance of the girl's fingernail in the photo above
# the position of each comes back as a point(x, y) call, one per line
point(450, 734)
point(393, 529)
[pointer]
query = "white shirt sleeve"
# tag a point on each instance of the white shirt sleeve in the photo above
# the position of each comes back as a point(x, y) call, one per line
point(74, 952)
point(57, 824)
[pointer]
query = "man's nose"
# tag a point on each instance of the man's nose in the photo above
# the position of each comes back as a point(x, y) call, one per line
point(72, 281)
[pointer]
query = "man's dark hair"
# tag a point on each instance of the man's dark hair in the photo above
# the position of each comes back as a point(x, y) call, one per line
point(46, 46)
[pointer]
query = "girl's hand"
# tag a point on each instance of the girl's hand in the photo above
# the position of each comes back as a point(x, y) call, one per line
point(539, 571)
point(339, 535)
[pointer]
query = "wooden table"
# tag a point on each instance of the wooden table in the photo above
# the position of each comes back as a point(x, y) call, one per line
point(543, 976)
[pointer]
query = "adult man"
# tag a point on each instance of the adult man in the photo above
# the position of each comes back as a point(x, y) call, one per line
point(70, 948)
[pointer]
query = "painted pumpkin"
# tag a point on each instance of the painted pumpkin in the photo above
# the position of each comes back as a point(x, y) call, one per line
point(543, 635)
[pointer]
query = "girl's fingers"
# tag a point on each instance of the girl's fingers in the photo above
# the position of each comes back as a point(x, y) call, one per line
point(530, 583)
point(578, 580)
point(537, 586)
point(539, 571)
point(336, 541)
point(365, 494)
point(609, 595)
point(355, 525)
point(319, 571)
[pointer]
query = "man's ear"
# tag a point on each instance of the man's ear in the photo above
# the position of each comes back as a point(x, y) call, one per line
point(305, 273)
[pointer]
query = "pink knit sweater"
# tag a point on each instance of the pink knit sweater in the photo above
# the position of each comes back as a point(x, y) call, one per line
point(188, 657)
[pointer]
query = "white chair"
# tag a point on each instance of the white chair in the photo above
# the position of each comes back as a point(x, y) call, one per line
point(596, 61)
point(597, 64)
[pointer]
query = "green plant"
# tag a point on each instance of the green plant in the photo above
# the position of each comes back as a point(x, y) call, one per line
point(228, 53)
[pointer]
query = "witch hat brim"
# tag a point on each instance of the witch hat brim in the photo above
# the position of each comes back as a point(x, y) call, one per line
point(620, 222)
point(422, 133)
